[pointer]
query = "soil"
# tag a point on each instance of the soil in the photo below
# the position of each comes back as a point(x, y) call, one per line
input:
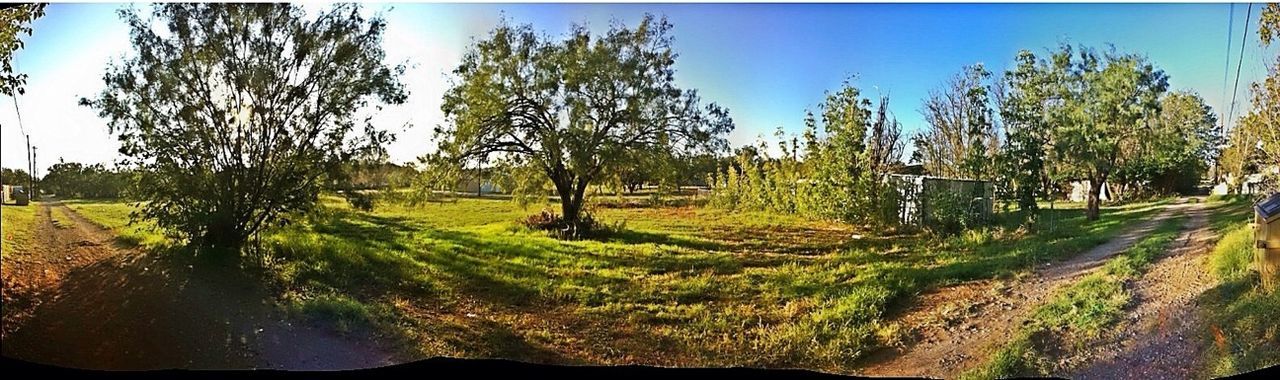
point(957, 327)
point(80, 299)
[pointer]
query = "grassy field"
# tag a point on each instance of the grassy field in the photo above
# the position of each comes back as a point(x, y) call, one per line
point(18, 224)
point(1079, 314)
point(678, 286)
point(1245, 334)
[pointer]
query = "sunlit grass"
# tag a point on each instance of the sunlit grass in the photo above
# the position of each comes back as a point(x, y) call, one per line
point(1242, 329)
point(18, 226)
point(676, 286)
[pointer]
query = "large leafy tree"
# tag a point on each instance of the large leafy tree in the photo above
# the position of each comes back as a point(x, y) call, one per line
point(236, 113)
point(14, 22)
point(574, 107)
point(1175, 151)
point(1105, 102)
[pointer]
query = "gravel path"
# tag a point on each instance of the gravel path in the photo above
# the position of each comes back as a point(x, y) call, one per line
point(113, 307)
point(959, 326)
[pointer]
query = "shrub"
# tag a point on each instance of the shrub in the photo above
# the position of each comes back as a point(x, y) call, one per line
point(948, 213)
point(360, 201)
point(547, 220)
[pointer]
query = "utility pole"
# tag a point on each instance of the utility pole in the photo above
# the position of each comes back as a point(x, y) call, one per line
point(31, 178)
point(33, 174)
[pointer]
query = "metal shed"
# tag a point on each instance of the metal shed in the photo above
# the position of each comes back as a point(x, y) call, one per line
point(913, 191)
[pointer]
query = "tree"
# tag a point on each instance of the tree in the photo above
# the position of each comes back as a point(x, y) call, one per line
point(574, 107)
point(1106, 101)
point(237, 113)
point(76, 180)
point(17, 177)
point(837, 170)
point(14, 22)
point(1263, 122)
point(1025, 93)
point(962, 139)
point(1174, 153)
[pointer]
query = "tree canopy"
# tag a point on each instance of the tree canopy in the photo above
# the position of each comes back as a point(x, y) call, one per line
point(574, 107)
point(14, 22)
point(236, 112)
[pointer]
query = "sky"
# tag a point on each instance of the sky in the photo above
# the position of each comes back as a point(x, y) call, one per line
point(767, 63)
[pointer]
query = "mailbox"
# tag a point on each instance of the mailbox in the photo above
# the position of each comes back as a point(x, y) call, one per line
point(1268, 222)
point(1267, 239)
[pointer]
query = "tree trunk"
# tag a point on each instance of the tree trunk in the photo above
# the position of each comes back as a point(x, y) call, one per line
point(1095, 201)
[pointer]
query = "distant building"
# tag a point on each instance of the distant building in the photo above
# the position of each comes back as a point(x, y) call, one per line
point(1080, 191)
point(1252, 183)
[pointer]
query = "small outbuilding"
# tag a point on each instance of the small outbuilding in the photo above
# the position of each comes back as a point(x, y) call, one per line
point(917, 195)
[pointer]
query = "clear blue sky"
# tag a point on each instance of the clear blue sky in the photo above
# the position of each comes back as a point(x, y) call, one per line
point(766, 62)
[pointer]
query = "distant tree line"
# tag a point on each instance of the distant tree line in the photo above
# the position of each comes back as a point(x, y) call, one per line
point(76, 180)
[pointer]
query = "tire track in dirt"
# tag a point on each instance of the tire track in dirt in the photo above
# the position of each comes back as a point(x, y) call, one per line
point(133, 310)
point(30, 278)
point(1160, 336)
point(958, 326)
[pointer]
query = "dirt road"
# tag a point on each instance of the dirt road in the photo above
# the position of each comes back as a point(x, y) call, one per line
point(959, 326)
point(101, 305)
point(1159, 338)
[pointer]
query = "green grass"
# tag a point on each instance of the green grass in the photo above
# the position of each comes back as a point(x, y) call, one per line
point(61, 218)
point(1243, 331)
point(18, 226)
point(115, 216)
point(1077, 315)
point(679, 286)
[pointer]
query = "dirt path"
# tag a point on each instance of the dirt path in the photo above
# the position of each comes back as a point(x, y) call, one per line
point(113, 307)
point(958, 326)
point(1159, 338)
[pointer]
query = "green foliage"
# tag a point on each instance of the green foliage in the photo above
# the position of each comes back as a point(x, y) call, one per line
point(841, 175)
point(1022, 159)
point(1174, 152)
point(578, 108)
point(1233, 254)
point(76, 180)
point(218, 161)
point(1089, 109)
point(17, 177)
point(15, 21)
point(950, 212)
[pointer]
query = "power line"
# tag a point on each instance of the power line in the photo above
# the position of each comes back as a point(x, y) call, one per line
point(1226, 68)
point(1235, 89)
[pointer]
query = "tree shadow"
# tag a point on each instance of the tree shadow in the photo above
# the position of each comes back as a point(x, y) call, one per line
point(144, 312)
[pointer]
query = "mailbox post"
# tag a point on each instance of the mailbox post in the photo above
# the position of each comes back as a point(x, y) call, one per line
point(1267, 240)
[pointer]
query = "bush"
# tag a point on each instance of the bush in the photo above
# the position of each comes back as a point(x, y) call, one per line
point(547, 220)
point(1233, 254)
point(360, 201)
point(948, 213)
